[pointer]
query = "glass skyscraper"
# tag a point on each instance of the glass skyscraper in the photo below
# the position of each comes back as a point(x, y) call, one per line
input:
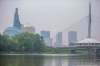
point(58, 39)
point(72, 37)
point(46, 37)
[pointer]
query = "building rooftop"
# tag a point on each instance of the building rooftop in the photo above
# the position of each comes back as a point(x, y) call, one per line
point(89, 40)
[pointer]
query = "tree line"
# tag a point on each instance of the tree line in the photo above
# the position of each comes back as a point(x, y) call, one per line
point(24, 42)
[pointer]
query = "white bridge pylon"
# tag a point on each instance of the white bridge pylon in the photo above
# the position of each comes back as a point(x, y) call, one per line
point(88, 42)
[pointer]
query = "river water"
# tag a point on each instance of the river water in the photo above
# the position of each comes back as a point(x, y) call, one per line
point(37, 60)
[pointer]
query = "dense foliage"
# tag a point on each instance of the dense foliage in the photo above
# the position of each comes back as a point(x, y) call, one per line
point(24, 42)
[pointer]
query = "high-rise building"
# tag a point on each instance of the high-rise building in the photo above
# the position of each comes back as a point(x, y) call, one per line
point(45, 34)
point(46, 37)
point(72, 37)
point(16, 28)
point(58, 39)
point(29, 29)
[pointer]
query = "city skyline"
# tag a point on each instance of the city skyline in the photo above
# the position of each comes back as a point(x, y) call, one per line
point(49, 33)
point(39, 16)
point(53, 21)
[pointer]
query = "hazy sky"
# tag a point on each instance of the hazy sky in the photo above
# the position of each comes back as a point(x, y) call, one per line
point(53, 15)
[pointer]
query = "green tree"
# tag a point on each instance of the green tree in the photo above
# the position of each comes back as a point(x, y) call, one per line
point(29, 42)
point(3, 43)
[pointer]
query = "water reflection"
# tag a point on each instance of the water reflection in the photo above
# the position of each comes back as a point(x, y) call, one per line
point(54, 61)
point(21, 60)
point(30, 60)
point(84, 61)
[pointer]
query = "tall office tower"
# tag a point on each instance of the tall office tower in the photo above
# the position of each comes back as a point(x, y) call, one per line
point(45, 34)
point(16, 28)
point(29, 29)
point(46, 37)
point(58, 39)
point(72, 37)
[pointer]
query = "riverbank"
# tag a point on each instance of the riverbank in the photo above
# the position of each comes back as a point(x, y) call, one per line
point(47, 54)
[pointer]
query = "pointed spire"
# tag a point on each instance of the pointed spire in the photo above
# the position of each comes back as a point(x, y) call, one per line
point(89, 24)
point(16, 20)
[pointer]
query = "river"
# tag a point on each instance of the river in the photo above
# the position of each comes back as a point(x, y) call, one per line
point(40, 60)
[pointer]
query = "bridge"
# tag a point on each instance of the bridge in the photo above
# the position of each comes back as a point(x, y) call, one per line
point(91, 45)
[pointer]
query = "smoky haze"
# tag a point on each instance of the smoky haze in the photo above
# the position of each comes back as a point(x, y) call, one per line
point(53, 15)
